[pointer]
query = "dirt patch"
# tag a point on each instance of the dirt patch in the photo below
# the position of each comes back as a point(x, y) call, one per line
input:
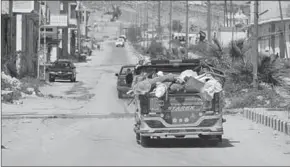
point(78, 88)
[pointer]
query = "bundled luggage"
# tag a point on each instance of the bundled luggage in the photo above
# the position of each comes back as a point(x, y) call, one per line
point(187, 81)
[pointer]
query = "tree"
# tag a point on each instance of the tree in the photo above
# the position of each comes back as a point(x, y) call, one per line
point(133, 33)
point(176, 26)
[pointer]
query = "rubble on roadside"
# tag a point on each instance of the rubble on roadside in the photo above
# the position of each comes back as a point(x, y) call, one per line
point(14, 89)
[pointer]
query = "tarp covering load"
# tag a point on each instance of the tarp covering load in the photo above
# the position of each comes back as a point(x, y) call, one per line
point(188, 81)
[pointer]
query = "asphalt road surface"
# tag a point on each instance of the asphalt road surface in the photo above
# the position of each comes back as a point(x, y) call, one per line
point(100, 130)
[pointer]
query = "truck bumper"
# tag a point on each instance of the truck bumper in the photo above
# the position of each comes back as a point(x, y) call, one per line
point(179, 132)
point(146, 130)
point(63, 76)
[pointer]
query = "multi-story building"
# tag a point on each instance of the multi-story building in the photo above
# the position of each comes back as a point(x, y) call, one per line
point(64, 17)
point(271, 31)
point(55, 30)
point(23, 41)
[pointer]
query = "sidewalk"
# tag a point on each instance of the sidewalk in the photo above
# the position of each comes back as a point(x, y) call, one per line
point(279, 120)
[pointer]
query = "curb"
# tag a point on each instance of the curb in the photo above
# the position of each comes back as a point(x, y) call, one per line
point(267, 120)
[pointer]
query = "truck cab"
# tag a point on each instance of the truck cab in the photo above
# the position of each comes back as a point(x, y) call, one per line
point(122, 86)
point(179, 114)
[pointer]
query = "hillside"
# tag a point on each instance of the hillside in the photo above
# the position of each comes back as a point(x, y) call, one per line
point(197, 13)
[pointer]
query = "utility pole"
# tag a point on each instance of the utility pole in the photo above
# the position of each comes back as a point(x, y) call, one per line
point(225, 3)
point(44, 40)
point(232, 18)
point(186, 26)
point(209, 21)
point(141, 22)
point(39, 37)
point(255, 53)
point(11, 24)
point(159, 19)
point(85, 20)
point(284, 33)
point(147, 21)
point(79, 31)
point(231, 13)
point(170, 25)
point(226, 13)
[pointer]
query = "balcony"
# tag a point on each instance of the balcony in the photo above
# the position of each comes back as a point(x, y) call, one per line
point(58, 21)
point(25, 7)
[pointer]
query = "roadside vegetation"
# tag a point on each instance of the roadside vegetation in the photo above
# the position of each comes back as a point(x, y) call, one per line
point(235, 61)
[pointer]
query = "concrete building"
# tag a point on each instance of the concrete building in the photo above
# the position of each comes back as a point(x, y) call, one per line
point(23, 44)
point(271, 28)
point(55, 29)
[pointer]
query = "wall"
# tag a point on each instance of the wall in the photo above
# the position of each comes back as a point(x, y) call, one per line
point(275, 41)
point(225, 37)
point(54, 7)
point(29, 46)
point(273, 7)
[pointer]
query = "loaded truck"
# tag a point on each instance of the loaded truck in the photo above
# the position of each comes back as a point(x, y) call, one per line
point(178, 114)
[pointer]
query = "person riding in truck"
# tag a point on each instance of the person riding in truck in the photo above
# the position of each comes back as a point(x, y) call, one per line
point(129, 77)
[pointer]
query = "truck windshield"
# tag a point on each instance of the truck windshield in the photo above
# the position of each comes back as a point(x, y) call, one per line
point(125, 69)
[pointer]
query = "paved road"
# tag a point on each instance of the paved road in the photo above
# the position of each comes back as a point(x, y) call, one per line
point(105, 136)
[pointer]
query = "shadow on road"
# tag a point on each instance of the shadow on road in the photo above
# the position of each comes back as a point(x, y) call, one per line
point(189, 143)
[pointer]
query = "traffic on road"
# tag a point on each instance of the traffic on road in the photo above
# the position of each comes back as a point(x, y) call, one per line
point(121, 109)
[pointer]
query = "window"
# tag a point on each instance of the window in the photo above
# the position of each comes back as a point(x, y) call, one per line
point(125, 69)
point(49, 29)
point(73, 11)
point(61, 6)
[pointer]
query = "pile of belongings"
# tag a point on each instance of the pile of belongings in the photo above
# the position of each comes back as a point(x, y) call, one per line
point(188, 81)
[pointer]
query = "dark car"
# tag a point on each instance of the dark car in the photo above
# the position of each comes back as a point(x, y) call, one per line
point(62, 69)
point(122, 85)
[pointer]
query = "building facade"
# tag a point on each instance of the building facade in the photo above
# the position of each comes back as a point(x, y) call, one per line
point(271, 29)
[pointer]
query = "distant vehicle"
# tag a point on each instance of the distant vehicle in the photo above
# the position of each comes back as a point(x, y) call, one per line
point(122, 86)
point(62, 69)
point(120, 42)
point(124, 37)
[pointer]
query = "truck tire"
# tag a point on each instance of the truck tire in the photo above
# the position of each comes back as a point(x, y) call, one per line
point(145, 141)
point(138, 138)
point(212, 140)
point(120, 96)
point(73, 80)
point(51, 79)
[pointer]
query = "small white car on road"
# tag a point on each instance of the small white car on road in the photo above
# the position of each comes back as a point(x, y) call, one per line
point(120, 42)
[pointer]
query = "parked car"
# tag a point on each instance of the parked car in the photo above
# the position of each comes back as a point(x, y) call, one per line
point(120, 42)
point(62, 69)
point(122, 86)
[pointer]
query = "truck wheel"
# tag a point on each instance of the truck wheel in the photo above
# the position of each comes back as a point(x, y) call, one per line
point(212, 140)
point(138, 138)
point(73, 80)
point(51, 79)
point(120, 95)
point(145, 141)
